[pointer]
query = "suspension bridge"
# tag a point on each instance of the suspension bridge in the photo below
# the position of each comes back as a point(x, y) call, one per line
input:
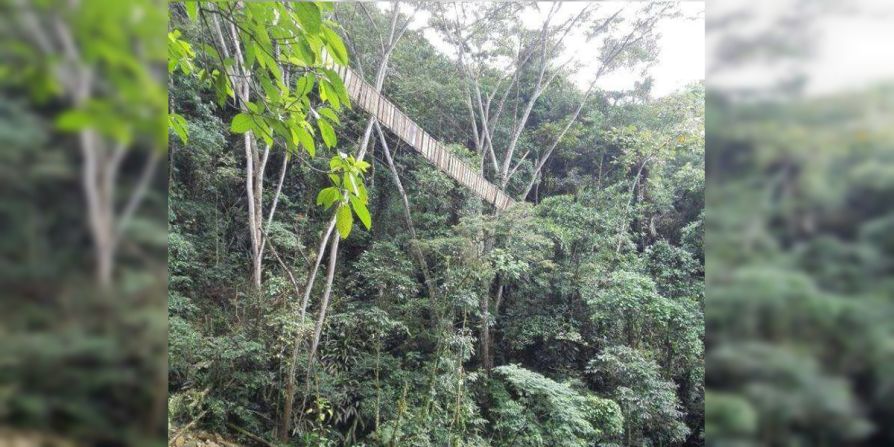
point(365, 96)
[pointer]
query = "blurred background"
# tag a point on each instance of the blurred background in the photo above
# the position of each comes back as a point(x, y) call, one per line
point(83, 233)
point(799, 243)
point(800, 224)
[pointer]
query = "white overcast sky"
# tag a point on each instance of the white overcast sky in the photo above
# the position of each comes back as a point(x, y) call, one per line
point(852, 45)
point(681, 58)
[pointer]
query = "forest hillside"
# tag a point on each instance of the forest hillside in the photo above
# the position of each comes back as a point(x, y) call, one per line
point(330, 286)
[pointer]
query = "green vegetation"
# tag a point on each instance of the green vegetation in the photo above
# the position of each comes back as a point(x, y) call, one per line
point(572, 319)
point(798, 321)
point(83, 244)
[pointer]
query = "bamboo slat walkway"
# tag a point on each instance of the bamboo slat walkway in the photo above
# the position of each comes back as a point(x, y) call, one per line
point(364, 95)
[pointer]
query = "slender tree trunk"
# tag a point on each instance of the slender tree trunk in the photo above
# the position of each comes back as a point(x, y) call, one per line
point(321, 319)
point(633, 189)
point(324, 304)
point(408, 217)
point(312, 275)
point(535, 177)
point(487, 349)
point(95, 175)
point(486, 360)
point(265, 231)
point(99, 177)
point(260, 164)
point(285, 420)
point(252, 210)
point(100, 165)
point(255, 165)
point(286, 417)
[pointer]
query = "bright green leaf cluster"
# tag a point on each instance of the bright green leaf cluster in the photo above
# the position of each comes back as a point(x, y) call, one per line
point(286, 48)
point(180, 54)
point(348, 191)
point(125, 100)
point(279, 42)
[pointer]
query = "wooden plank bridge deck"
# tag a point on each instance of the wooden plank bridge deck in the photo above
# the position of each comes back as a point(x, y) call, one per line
point(364, 95)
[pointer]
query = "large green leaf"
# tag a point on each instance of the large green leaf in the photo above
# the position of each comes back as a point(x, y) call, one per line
point(329, 94)
point(361, 193)
point(361, 211)
point(337, 87)
point(222, 88)
point(350, 182)
point(250, 54)
point(211, 52)
point(308, 15)
point(261, 36)
point(329, 114)
point(178, 124)
point(269, 89)
point(73, 120)
point(304, 137)
point(327, 196)
point(302, 54)
point(336, 46)
point(280, 128)
point(304, 84)
point(262, 126)
point(241, 123)
point(344, 220)
point(327, 133)
point(273, 66)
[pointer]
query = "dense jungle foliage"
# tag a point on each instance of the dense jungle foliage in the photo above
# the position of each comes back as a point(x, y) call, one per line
point(83, 236)
point(591, 291)
point(798, 237)
point(799, 324)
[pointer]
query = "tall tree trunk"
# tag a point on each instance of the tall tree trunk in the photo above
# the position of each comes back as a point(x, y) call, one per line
point(487, 341)
point(312, 275)
point(286, 416)
point(252, 210)
point(97, 175)
point(324, 304)
point(285, 420)
point(255, 163)
point(486, 359)
point(632, 193)
point(408, 217)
